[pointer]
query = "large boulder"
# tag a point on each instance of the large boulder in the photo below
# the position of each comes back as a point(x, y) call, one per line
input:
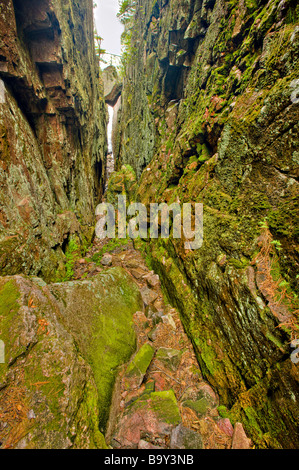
point(112, 85)
point(63, 346)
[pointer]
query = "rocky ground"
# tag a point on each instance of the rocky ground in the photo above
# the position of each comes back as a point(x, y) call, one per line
point(160, 400)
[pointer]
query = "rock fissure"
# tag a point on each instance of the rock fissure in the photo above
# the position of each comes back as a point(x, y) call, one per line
point(145, 344)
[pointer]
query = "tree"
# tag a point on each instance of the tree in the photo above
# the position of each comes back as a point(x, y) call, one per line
point(126, 10)
point(99, 51)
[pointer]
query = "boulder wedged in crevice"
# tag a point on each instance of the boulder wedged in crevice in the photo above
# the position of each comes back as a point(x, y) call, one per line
point(112, 85)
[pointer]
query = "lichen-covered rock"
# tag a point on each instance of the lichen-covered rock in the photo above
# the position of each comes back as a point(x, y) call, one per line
point(99, 314)
point(217, 85)
point(52, 133)
point(63, 346)
point(48, 396)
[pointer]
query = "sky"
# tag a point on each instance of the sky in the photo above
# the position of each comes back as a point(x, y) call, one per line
point(110, 29)
point(108, 25)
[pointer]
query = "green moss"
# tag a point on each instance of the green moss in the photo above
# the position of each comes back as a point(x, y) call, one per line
point(207, 356)
point(199, 406)
point(223, 411)
point(293, 14)
point(274, 340)
point(88, 413)
point(9, 295)
point(238, 264)
point(204, 153)
point(73, 252)
point(252, 5)
point(9, 308)
point(111, 246)
point(141, 361)
point(284, 220)
point(99, 316)
point(165, 406)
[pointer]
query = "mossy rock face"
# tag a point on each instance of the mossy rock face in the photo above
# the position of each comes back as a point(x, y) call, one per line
point(232, 145)
point(99, 314)
point(122, 182)
point(45, 381)
point(9, 308)
point(165, 406)
point(63, 346)
point(272, 404)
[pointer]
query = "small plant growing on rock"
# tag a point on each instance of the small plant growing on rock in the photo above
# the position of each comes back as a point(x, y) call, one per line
point(275, 289)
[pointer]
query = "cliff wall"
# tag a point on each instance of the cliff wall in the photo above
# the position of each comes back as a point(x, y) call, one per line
point(52, 133)
point(209, 114)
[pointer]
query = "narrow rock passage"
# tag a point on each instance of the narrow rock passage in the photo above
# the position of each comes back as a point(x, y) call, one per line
point(161, 400)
